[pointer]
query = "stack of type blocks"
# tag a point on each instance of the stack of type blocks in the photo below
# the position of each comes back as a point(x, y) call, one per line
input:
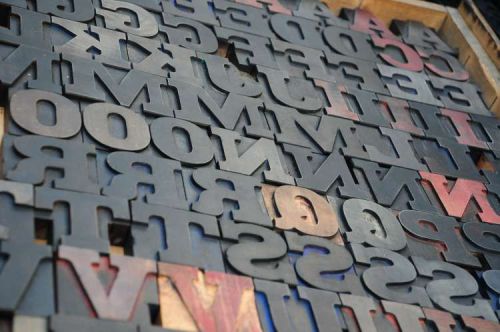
point(244, 165)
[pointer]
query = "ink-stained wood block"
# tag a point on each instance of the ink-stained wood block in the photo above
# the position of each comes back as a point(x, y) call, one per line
point(27, 281)
point(17, 222)
point(364, 21)
point(483, 241)
point(417, 34)
point(106, 287)
point(44, 113)
point(74, 10)
point(478, 324)
point(27, 27)
point(455, 197)
point(492, 280)
point(285, 308)
point(193, 300)
point(244, 18)
point(28, 159)
point(319, 11)
point(127, 17)
point(247, 156)
point(188, 33)
point(176, 236)
point(195, 10)
point(296, 208)
point(273, 6)
point(25, 66)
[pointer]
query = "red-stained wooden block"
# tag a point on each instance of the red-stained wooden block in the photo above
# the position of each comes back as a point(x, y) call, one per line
point(465, 135)
point(337, 105)
point(443, 320)
point(205, 301)
point(296, 208)
point(398, 110)
point(413, 61)
point(480, 325)
point(456, 197)
point(364, 21)
point(106, 287)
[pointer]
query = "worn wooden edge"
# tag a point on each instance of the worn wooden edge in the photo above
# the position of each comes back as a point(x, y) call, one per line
point(481, 30)
point(481, 68)
point(432, 15)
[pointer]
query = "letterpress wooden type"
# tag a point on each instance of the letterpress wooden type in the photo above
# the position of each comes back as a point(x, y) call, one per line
point(445, 156)
point(80, 219)
point(249, 50)
point(370, 224)
point(62, 323)
point(127, 17)
point(477, 324)
point(442, 64)
point(364, 21)
point(182, 140)
point(417, 34)
point(459, 96)
point(150, 5)
point(305, 32)
point(197, 106)
point(394, 187)
point(257, 252)
point(188, 33)
point(389, 146)
point(429, 118)
point(43, 113)
point(226, 77)
point(51, 162)
point(290, 91)
point(233, 195)
point(483, 242)
point(138, 90)
point(106, 287)
point(116, 127)
point(26, 27)
point(90, 42)
point(454, 290)
point(442, 232)
point(408, 317)
point(17, 216)
point(355, 104)
point(362, 313)
point(273, 6)
point(157, 58)
point(397, 112)
point(75, 10)
point(133, 171)
point(198, 10)
point(323, 264)
point(318, 11)
point(298, 61)
point(349, 43)
point(455, 198)
point(296, 208)
point(408, 85)
point(490, 125)
point(176, 236)
point(26, 278)
point(326, 174)
point(398, 54)
point(247, 156)
point(243, 18)
point(282, 308)
point(321, 134)
point(389, 275)
point(463, 129)
point(353, 72)
point(492, 280)
point(25, 66)
point(206, 301)
point(440, 321)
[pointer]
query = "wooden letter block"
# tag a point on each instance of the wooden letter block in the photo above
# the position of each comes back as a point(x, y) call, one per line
point(192, 300)
point(296, 208)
